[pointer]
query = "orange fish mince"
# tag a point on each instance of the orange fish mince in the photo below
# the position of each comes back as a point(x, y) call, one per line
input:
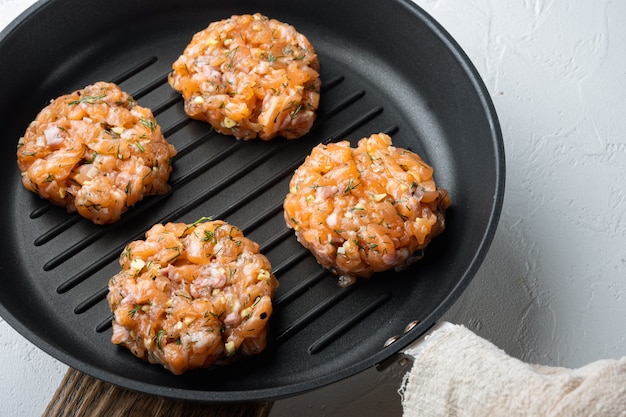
point(191, 295)
point(96, 152)
point(366, 209)
point(250, 76)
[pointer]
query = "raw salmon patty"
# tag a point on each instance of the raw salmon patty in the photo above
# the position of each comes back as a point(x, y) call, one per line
point(250, 76)
point(191, 295)
point(95, 151)
point(366, 209)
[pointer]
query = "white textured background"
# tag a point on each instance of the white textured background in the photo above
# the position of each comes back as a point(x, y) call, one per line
point(553, 287)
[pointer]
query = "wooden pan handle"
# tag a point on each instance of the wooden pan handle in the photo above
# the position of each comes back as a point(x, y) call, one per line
point(80, 395)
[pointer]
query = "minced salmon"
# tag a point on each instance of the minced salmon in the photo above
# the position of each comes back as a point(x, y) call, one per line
point(95, 151)
point(191, 295)
point(250, 76)
point(366, 209)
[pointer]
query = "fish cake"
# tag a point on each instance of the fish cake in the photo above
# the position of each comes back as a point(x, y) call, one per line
point(250, 76)
point(366, 209)
point(96, 152)
point(191, 295)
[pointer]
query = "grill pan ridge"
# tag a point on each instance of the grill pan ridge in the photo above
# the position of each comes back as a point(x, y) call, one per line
point(409, 80)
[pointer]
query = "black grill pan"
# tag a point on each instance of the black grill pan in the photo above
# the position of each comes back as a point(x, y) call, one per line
point(386, 67)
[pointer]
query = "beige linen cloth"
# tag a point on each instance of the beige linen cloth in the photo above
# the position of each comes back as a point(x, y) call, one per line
point(457, 373)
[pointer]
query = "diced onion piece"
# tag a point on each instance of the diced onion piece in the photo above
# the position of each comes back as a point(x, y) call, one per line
point(230, 348)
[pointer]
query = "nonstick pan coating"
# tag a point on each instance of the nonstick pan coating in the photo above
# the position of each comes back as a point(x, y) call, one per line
point(386, 67)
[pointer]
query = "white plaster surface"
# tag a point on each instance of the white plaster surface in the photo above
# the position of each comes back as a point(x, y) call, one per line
point(552, 289)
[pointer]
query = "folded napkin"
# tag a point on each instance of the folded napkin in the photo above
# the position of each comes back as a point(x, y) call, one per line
point(457, 373)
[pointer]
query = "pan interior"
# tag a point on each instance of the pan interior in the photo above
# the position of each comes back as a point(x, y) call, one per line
point(385, 68)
